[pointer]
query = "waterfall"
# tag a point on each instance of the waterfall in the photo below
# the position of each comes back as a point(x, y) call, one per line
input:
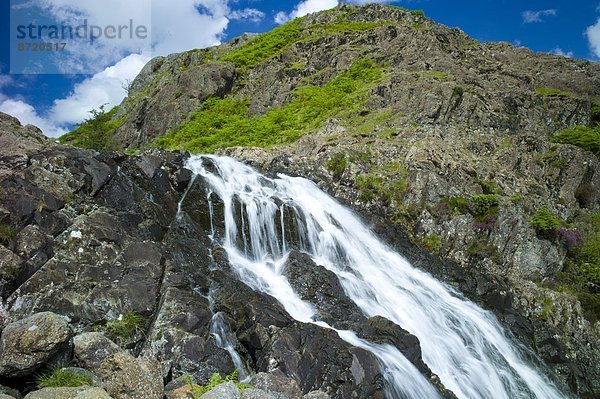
point(461, 343)
point(220, 330)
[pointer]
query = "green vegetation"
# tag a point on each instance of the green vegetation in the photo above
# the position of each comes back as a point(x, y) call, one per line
point(387, 182)
point(547, 307)
point(435, 75)
point(337, 165)
point(589, 255)
point(221, 123)
point(7, 232)
point(482, 249)
point(458, 91)
point(552, 92)
point(432, 243)
point(413, 12)
point(127, 326)
point(95, 132)
point(516, 198)
point(383, 121)
point(484, 205)
point(581, 275)
point(215, 380)
point(582, 136)
point(63, 377)
point(543, 221)
point(488, 186)
point(458, 205)
point(266, 45)
point(595, 112)
point(418, 26)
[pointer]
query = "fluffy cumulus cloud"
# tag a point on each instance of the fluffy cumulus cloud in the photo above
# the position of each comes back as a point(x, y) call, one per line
point(106, 87)
point(175, 26)
point(593, 36)
point(530, 16)
point(303, 8)
point(26, 114)
point(561, 52)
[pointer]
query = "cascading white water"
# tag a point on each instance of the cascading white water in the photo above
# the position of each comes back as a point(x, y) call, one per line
point(221, 332)
point(462, 343)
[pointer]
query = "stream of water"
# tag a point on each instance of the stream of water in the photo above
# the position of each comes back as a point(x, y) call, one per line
point(461, 343)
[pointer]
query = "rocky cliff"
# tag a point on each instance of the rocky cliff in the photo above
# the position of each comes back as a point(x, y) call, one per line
point(101, 271)
point(446, 145)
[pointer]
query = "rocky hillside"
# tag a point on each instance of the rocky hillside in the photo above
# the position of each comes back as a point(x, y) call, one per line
point(105, 284)
point(450, 147)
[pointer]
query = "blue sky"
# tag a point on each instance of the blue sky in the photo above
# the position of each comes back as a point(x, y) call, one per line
point(56, 102)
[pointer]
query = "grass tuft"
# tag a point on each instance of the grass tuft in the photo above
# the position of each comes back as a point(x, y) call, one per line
point(63, 377)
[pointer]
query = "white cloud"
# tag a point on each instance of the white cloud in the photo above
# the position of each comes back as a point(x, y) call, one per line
point(5, 80)
point(251, 14)
point(105, 87)
point(536, 16)
point(593, 36)
point(303, 8)
point(561, 52)
point(281, 18)
point(26, 114)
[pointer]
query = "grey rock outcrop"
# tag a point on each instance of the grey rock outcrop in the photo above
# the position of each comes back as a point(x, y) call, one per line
point(69, 393)
point(31, 342)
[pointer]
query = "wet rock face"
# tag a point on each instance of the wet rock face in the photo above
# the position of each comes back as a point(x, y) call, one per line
point(274, 342)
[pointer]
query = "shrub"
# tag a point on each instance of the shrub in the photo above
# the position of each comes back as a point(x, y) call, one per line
point(543, 221)
point(581, 274)
point(581, 136)
point(95, 132)
point(63, 377)
point(484, 204)
point(488, 186)
point(337, 165)
point(589, 265)
point(413, 12)
point(385, 182)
